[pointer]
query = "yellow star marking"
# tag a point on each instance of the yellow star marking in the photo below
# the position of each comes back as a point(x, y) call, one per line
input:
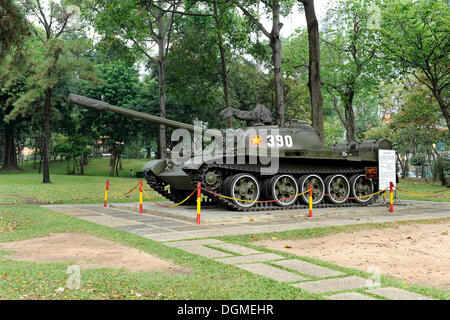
point(256, 140)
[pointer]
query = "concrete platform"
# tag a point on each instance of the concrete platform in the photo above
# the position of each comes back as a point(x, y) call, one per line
point(162, 226)
point(218, 214)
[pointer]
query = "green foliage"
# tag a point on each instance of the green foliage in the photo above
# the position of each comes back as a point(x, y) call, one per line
point(416, 35)
point(119, 87)
point(13, 26)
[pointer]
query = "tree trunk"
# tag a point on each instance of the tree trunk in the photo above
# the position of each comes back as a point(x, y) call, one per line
point(162, 98)
point(314, 82)
point(34, 156)
point(82, 165)
point(443, 106)
point(113, 160)
point(9, 161)
point(275, 44)
point(40, 160)
point(224, 71)
point(119, 155)
point(349, 116)
point(46, 172)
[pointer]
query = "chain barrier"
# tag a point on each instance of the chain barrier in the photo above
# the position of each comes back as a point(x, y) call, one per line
point(256, 201)
point(123, 194)
point(110, 187)
point(350, 198)
point(441, 193)
point(170, 206)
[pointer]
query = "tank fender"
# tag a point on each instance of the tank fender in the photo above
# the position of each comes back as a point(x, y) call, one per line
point(197, 161)
point(156, 166)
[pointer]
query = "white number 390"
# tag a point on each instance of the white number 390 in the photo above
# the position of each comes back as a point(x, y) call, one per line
point(279, 141)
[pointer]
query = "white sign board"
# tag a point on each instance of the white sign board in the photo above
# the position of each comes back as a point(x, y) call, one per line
point(386, 169)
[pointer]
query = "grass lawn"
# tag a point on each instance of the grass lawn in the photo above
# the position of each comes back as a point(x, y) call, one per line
point(420, 186)
point(26, 186)
point(209, 279)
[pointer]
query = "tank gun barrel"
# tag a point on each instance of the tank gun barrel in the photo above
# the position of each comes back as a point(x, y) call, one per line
point(100, 105)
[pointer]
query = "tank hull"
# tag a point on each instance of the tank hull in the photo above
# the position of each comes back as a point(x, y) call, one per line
point(182, 180)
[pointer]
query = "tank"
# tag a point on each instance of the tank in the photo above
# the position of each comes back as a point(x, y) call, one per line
point(249, 182)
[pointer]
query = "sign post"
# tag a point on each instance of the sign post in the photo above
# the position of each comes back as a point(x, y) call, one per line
point(386, 169)
point(387, 173)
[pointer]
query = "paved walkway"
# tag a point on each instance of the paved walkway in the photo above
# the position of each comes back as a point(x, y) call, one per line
point(310, 277)
point(334, 284)
point(159, 228)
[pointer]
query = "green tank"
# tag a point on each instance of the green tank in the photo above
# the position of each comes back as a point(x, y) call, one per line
point(267, 167)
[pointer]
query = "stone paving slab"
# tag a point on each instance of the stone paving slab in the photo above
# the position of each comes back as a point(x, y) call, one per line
point(397, 294)
point(236, 248)
point(111, 221)
point(271, 272)
point(193, 242)
point(338, 284)
point(170, 236)
point(251, 258)
point(308, 268)
point(350, 296)
point(146, 231)
point(131, 227)
point(205, 252)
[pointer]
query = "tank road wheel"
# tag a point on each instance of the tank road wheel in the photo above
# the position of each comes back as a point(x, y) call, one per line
point(316, 181)
point(283, 186)
point(244, 186)
point(213, 179)
point(361, 187)
point(338, 188)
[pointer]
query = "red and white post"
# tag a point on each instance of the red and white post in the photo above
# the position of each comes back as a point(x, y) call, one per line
point(310, 201)
point(199, 200)
point(106, 192)
point(140, 197)
point(391, 194)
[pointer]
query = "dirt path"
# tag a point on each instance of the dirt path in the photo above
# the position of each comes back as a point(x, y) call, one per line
point(88, 252)
point(418, 253)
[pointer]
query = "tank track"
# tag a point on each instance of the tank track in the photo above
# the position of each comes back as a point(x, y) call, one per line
point(199, 176)
point(159, 185)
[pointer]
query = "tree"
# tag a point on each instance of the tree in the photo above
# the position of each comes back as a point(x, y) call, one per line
point(276, 8)
point(10, 129)
point(13, 31)
point(143, 23)
point(314, 82)
point(223, 60)
point(351, 58)
point(54, 19)
point(416, 35)
point(414, 124)
point(119, 87)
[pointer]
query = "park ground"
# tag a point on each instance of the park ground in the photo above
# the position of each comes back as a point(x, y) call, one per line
point(25, 224)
